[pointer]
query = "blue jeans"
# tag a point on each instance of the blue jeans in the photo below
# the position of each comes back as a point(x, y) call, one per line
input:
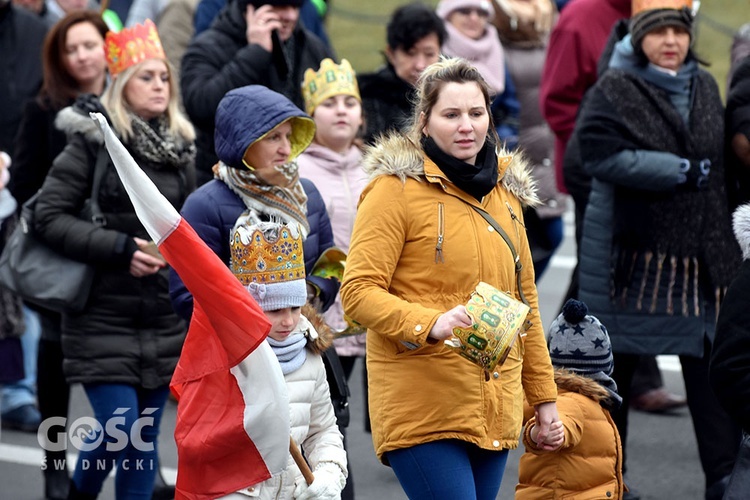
point(136, 460)
point(23, 392)
point(449, 469)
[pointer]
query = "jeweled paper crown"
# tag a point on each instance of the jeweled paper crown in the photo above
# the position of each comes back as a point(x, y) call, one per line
point(259, 257)
point(642, 5)
point(330, 80)
point(131, 46)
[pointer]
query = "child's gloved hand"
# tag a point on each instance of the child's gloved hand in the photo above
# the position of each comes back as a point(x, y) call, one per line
point(327, 485)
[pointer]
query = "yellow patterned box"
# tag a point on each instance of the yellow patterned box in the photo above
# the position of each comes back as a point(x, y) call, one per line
point(498, 320)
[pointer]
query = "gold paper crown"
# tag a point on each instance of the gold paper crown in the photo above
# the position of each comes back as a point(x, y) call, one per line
point(131, 46)
point(642, 5)
point(330, 80)
point(497, 321)
point(267, 257)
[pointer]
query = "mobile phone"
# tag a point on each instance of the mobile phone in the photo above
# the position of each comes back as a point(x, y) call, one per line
point(151, 249)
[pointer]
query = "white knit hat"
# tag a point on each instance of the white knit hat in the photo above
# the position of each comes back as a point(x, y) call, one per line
point(445, 7)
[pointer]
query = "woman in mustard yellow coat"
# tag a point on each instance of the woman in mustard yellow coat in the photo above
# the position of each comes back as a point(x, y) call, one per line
point(418, 250)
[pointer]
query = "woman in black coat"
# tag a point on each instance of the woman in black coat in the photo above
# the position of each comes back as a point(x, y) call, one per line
point(124, 345)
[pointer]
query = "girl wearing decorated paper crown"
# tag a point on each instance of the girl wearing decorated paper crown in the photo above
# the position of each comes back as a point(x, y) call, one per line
point(124, 345)
point(588, 459)
point(333, 163)
point(267, 259)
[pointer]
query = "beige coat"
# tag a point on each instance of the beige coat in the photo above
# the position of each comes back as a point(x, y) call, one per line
point(418, 249)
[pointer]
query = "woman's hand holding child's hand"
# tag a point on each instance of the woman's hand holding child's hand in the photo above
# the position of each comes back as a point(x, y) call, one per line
point(443, 327)
point(554, 438)
point(546, 416)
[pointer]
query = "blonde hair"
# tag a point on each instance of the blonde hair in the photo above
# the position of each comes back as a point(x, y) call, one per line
point(119, 110)
point(431, 83)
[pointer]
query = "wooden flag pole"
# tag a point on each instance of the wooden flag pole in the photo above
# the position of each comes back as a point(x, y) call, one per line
point(300, 461)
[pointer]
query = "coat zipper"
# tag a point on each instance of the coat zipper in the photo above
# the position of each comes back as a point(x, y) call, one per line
point(441, 235)
point(515, 218)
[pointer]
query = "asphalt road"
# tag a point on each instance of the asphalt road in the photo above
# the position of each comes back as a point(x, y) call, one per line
point(663, 458)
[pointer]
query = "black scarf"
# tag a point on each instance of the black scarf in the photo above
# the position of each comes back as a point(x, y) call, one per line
point(478, 179)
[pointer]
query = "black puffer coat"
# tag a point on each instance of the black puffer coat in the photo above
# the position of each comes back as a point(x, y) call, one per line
point(128, 332)
point(220, 60)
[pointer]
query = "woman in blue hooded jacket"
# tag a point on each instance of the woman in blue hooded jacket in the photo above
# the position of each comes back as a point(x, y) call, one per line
point(259, 134)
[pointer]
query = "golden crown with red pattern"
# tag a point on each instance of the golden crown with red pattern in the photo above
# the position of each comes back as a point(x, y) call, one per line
point(132, 46)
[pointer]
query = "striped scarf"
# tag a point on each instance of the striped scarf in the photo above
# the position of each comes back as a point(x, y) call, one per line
point(286, 204)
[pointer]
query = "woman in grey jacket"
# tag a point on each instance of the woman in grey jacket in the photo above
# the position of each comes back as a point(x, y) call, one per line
point(657, 252)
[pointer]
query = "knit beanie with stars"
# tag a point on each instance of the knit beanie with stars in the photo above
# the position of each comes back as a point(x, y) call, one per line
point(579, 342)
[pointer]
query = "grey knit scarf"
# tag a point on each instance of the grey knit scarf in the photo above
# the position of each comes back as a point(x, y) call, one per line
point(290, 352)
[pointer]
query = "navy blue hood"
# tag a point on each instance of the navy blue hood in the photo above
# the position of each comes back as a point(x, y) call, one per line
point(246, 114)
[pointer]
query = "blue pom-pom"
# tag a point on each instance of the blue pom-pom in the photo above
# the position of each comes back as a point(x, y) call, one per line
point(574, 311)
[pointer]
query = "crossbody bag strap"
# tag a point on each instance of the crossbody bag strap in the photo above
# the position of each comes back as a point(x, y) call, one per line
point(102, 158)
point(504, 235)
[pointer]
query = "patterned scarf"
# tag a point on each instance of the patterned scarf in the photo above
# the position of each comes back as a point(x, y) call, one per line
point(153, 141)
point(290, 352)
point(287, 204)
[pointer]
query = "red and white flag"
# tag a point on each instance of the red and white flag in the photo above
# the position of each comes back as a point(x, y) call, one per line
point(232, 426)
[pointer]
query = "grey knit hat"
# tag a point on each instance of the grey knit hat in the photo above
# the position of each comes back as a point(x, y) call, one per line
point(646, 21)
point(579, 342)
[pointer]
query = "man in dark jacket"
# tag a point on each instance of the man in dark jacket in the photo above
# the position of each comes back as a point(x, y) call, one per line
point(250, 42)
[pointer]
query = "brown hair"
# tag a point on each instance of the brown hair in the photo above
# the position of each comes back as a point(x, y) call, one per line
point(431, 83)
point(59, 87)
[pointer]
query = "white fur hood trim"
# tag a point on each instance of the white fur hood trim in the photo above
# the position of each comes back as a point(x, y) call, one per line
point(741, 224)
point(74, 122)
point(394, 154)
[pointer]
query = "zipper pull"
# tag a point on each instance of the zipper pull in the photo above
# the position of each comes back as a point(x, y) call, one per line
point(439, 259)
point(513, 215)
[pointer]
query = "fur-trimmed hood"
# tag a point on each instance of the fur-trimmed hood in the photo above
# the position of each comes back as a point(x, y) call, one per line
point(741, 224)
point(73, 120)
point(323, 339)
point(394, 154)
point(573, 382)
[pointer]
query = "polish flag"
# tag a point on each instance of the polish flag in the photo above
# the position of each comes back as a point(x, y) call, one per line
point(232, 426)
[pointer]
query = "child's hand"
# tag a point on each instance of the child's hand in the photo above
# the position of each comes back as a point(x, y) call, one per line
point(555, 437)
